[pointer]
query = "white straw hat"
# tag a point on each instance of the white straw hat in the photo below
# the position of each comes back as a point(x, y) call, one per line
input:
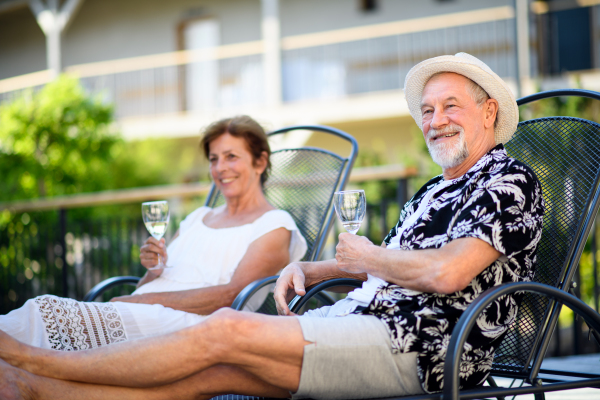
point(474, 69)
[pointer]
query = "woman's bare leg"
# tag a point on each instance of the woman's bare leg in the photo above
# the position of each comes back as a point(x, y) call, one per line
point(267, 347)
point(19, 384)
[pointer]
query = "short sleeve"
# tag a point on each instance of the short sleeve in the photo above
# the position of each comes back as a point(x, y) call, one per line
point(505, 210)
point(276, 219)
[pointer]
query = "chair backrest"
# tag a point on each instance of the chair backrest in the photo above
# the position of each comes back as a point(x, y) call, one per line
point(564, 152)
point(302, 182)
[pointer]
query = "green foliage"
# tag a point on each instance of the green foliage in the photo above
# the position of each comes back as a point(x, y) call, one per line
point(55, 142)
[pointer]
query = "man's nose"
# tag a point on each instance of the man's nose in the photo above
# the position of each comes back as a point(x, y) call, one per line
point(439, 119)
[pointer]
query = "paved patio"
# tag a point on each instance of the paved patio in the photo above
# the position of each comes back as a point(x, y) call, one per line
point(589, 363)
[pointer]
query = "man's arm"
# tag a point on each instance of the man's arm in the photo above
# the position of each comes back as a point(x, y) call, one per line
point(265, 256)
point(444, 270)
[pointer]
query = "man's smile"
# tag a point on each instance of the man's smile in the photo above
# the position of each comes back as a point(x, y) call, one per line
point(443, 136)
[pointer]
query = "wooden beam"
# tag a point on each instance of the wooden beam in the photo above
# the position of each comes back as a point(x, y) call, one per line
point(134, 195)
point(382, 173)
point(108, 197)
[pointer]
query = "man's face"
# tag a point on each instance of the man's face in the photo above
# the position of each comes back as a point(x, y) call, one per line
point(452, 121)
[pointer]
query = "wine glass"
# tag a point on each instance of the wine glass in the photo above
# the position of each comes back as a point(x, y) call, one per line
point(156, 218)
point(350, 207)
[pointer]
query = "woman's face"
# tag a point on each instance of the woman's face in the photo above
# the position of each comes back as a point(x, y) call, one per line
point(232, 168)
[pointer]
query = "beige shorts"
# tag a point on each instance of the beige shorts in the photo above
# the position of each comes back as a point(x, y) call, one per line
point(351, 357)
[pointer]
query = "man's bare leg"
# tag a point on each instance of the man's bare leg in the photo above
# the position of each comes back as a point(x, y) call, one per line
point(268, 347)
point(19, 384)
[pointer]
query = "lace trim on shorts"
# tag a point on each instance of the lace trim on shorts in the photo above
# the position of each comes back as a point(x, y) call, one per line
point(72, 325)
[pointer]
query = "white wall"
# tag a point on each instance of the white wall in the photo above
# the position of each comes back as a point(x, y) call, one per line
point(22, 44)
point(111, 29)
point(307, 16)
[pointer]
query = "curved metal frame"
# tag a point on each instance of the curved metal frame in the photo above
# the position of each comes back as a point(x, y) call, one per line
point(243, 297)
point(299, 301)
point(558, 93)
point(469, 318)
point(109, 284)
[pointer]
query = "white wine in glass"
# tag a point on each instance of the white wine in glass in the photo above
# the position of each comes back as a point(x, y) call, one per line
point(350, 207)
point(156, 218)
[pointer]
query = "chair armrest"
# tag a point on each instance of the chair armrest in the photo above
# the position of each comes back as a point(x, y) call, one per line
point(109, 284)
point(244, 296)
point(469, 317)
point(299, 301)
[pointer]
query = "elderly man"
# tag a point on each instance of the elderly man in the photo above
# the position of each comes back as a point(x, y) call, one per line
point(474, 227)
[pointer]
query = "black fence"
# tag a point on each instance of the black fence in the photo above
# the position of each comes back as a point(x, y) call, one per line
point(67, 258)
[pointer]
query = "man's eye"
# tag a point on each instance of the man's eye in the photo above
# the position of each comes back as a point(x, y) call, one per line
point(427, 112)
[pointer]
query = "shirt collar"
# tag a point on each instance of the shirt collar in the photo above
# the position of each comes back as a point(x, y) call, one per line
point(496, 154)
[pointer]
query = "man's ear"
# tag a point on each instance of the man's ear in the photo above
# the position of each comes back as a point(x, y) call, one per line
point(491, 112)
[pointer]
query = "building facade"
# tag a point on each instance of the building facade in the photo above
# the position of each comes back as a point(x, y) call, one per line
point(172, 67)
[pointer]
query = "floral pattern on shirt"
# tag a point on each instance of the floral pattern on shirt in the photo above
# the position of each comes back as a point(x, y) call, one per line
point(499, 201)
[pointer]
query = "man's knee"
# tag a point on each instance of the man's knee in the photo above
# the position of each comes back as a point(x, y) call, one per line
point(226, 323)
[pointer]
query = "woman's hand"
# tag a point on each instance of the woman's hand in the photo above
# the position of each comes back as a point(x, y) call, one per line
point(351, 253)
point(150, 252)
point(290, 283)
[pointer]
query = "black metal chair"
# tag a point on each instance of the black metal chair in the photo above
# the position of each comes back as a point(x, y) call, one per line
point(302, 182)
point(564, 152)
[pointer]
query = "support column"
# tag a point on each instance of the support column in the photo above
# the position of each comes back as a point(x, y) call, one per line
point(271, 52)
point(53, 20)
point(523, 59)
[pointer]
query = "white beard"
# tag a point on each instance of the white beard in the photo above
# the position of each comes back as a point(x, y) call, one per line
point(447, 155)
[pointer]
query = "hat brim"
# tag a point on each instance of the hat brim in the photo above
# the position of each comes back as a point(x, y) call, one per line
point(496, 88)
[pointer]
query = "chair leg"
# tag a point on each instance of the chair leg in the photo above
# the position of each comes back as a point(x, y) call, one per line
point(541, 395)
point(493, 383)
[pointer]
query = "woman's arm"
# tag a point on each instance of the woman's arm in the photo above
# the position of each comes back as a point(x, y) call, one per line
point(265, 257)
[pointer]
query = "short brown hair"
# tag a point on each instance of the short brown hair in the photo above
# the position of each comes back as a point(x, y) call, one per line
point(241, 126)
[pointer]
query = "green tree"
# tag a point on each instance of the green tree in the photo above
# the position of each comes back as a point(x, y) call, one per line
point(55, 142)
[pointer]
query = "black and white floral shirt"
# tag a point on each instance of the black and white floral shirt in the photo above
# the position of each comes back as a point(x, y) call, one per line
point(499, 201)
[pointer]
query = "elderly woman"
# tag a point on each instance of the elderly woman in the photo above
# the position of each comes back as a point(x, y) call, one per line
point(214, 255)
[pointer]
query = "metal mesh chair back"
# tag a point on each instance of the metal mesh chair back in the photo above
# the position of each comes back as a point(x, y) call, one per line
point(302, 182)
point(564, 152)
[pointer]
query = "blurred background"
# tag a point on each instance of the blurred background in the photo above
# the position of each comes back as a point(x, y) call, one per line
point(102, 102)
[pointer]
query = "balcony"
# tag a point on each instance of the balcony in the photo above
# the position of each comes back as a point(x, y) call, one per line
point(358, 72)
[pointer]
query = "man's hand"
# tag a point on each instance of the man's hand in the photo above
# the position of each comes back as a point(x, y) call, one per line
point(351, 252)
point(290, 283)
point(149, 253)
